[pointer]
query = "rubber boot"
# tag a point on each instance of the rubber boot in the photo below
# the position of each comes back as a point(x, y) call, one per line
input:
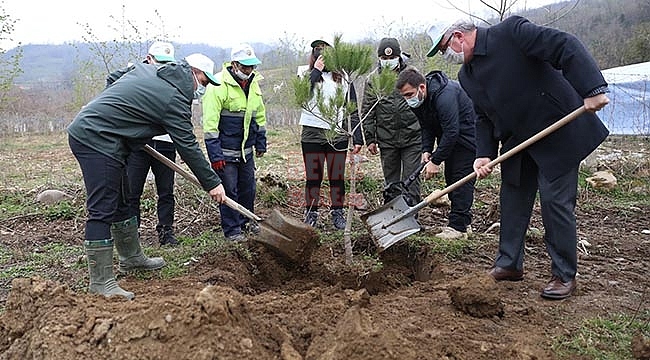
point(127, 242)
point(100, 267)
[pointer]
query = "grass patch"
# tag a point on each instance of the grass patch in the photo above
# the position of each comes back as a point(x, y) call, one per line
point(38, 261)
point(179, 259)
point(450, 249)
point(272, 196)
point(603, 338)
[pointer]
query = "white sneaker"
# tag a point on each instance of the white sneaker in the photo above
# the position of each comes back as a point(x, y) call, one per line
point(449, 233)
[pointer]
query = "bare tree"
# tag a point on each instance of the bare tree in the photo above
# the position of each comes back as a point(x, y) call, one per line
point(501, 9)
point(9, 66)
point(130, 43)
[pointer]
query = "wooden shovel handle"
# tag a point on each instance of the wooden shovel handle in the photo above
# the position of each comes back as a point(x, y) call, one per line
point(191, 178)
point(551, 128)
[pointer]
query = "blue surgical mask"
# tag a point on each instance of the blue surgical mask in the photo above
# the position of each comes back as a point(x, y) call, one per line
point(389, 63)
point(415, 101)
point(200, 89)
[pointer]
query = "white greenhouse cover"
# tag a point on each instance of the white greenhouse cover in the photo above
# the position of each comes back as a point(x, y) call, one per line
point(628, 112)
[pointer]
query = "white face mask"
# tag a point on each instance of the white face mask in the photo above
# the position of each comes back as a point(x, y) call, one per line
point(389, 63)
point(454, 57)
point(241, 75)
point(200, 89)
point(415, 101)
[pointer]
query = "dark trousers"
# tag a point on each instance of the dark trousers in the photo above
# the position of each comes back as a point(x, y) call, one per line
point(106, 190)
point(238, 179)
point(398, 164)
point(458, 165)
point(138, 164)
point(316, 157)
point(558, 201)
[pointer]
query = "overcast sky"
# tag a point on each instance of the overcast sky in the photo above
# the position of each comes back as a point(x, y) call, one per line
point(225, 24)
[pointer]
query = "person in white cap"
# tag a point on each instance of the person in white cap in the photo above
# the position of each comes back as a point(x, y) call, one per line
point(147, 101)
point(234, 128)
point(139, 163)
point(522, 78)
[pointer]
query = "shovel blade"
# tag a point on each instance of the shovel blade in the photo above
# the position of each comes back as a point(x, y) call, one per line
point(385, 236)
point(289, 237)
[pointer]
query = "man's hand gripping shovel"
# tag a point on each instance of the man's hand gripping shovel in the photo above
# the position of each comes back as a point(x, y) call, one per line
point(395, 220)
point(286, 236)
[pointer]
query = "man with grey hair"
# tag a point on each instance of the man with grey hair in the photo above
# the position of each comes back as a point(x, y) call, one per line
point(522, 78)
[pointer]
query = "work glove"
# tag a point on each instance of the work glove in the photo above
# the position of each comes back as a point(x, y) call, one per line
point(259, 153)
point(218, 165)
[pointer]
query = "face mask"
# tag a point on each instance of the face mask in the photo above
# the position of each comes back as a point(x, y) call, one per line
point(241, 75)
point(317, 53)
point(200, 89)
point(454, 57)
point(415, 101)
point(389, 64)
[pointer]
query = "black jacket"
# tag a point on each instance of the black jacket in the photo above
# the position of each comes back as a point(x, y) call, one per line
point(524, 77)
point(446, 117)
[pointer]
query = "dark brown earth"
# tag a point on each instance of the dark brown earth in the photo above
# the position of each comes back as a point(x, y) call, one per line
point(421, 304)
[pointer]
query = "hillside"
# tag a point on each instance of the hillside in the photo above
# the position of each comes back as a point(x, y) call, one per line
point(615, 31)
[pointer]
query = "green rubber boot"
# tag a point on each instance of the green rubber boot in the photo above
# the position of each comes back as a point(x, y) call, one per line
point(100, 267)
point(127, 242)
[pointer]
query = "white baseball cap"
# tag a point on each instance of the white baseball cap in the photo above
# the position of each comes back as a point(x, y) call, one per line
point(162, 51)
point(436, 32)
point(204, 64)
point(244, 54)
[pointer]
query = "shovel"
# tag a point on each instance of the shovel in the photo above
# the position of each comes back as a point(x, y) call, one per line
point(395, 221)
point(286, 236)
point(401, 188)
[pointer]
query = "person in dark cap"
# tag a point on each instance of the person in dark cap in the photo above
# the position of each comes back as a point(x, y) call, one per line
point(318, 151)
point(146, 101)
point(391, 129)
point(522, 78)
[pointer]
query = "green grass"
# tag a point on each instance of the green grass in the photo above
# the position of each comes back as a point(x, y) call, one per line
point(451, 249)
point(51, 255)
point(603, 338)
point(179, 259)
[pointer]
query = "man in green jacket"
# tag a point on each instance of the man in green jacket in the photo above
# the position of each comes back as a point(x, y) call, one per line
point(392, 127)
point(148, 100)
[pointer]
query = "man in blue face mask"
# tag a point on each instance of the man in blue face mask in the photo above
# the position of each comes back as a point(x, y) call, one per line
point(447, 117)
point(234, 129)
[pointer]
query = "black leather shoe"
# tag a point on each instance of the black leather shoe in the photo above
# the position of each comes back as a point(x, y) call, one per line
point(557, 290)
point(501, 274)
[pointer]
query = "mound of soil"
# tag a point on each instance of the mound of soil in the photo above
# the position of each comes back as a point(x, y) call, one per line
point(420, 303)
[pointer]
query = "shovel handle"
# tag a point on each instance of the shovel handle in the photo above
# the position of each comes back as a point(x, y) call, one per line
point(191, 178)
point(508, 154)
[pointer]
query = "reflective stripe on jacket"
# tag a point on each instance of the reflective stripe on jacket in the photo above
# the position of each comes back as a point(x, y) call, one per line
point(231, 120)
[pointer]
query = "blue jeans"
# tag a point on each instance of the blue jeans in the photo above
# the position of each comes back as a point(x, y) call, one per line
point(138, 164)
point(106, 190)
point(238, 179)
